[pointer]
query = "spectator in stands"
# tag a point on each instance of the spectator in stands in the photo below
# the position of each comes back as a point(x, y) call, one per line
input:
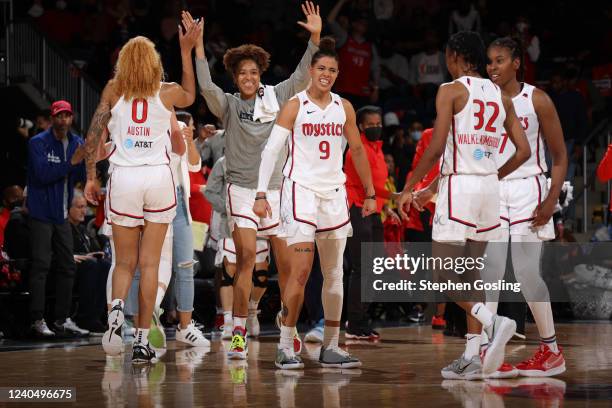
point(360, 67)
point(370, 228)
point(394, 70)
point(604, 171)
point(210, 144)
point(91, 269)
point(464, 18)
point(573, 116)
point(530, 44)
point(427, 72)
point(55, 164)
point(12, 197)
point(17, 232)
point(42, 121)
point(13, 158)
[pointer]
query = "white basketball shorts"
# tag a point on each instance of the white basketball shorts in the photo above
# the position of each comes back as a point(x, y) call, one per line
point(227, 249)
point(141, 193)
point(239, 204)
point(467, 209)
point(307, 214)
point(518, 199)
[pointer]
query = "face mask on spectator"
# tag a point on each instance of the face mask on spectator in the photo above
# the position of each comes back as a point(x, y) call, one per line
point(14, 204)
point(416, 135)
point(373, 133)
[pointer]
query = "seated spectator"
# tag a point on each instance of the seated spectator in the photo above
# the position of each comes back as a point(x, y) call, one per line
point(92, 270)
point(11, 197)
point(464, 18)
point(17, 232)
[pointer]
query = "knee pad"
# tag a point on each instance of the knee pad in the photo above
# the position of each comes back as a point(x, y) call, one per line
point(260, 278)
point(226, 279)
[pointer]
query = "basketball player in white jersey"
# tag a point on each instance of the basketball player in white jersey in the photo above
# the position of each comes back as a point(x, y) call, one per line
point(313, 200)
point(527, 205)
point(136, 107)
point(471, 117)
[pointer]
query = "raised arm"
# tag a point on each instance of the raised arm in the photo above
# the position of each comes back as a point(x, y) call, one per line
point(298, 81)
point(551, 128)
point(516, 134)
point(214, 96)
point(338, 32)
point(360, 159)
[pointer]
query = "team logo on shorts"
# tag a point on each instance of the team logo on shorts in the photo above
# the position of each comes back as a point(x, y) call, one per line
point(129, 143)
point(439, 219)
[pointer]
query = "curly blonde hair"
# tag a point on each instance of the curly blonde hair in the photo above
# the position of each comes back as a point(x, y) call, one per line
point(139, 71)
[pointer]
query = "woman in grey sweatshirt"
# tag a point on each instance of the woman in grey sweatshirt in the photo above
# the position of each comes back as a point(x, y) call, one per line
point(245, 140)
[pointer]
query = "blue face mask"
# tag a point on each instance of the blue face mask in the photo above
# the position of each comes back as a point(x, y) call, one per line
point(416, 135)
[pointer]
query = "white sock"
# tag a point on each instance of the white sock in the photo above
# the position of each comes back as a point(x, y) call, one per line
point(286, 337)
point(227, 318)
point(253, 304)
point(330, 336)
point(142, 336)
point(240, 322)
point(484, 315)
point(472, 345)
point(116, 302)
point(160, 296)
point(551, 342)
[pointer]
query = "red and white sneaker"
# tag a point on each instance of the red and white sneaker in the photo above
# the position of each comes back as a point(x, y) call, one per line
point(438, 323)
point(544, 363)
point(505, 371)
point(297, 342)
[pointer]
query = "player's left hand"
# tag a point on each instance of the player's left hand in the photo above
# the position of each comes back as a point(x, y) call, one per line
point(403, 204)
point(421, 198)
point(188, 134)
point(543, 212)
point(190, 38)
point(369, 207)
point(313, 23)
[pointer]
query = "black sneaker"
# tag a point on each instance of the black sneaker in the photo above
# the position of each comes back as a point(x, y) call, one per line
point(142, 353)
point(416, 315)
point(356, 333)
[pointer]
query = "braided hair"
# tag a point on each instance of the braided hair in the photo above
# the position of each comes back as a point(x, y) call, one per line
point(470, 46)
point(516, 51)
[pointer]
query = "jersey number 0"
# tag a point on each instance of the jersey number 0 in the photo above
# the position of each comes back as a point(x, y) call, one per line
point(139, 117)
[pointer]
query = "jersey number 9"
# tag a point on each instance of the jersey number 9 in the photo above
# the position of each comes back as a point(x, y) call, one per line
point(324, 149)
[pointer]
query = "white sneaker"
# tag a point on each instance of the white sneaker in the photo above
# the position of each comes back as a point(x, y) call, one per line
point(40, 328)
point(315, 335)
point(112, 342)
point(227, 332)
point(252, 324)
point(69, 327)
point(192, 336)
point(500, 332)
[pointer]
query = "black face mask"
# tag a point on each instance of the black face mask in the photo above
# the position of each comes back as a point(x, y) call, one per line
point(17, 203)
point(373, 133)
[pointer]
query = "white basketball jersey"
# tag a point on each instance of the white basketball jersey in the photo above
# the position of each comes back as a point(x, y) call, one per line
point(140, 131)
point(314, 159)
point(476, 131)
point(536, 164)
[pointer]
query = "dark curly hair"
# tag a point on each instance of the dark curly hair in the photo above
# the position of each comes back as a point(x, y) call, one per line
point(327, 48)
point(234, 56)
point(516, 51)
point(469, 45)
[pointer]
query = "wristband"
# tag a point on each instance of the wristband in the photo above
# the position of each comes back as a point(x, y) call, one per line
point(260, 198)
point(372, 197)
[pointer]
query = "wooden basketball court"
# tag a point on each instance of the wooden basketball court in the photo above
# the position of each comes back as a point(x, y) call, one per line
point(401, 370)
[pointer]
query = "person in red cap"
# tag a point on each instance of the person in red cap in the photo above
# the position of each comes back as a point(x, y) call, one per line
point(55, 165)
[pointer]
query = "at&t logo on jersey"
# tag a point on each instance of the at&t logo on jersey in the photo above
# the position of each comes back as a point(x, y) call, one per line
point(129, 144)
point(478, 154)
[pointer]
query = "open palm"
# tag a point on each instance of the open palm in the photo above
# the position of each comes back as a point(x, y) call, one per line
point(313, 19)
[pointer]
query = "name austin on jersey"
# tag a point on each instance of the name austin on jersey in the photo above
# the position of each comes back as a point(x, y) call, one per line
point(138, 131)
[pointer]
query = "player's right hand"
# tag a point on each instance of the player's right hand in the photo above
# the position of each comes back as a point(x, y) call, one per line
point(404, 202)
point(92, 191)
point(262, 208)
point(188, 21)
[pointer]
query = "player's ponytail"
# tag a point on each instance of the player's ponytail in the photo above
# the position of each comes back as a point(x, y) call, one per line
point(516, 51)
point(327, 48)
